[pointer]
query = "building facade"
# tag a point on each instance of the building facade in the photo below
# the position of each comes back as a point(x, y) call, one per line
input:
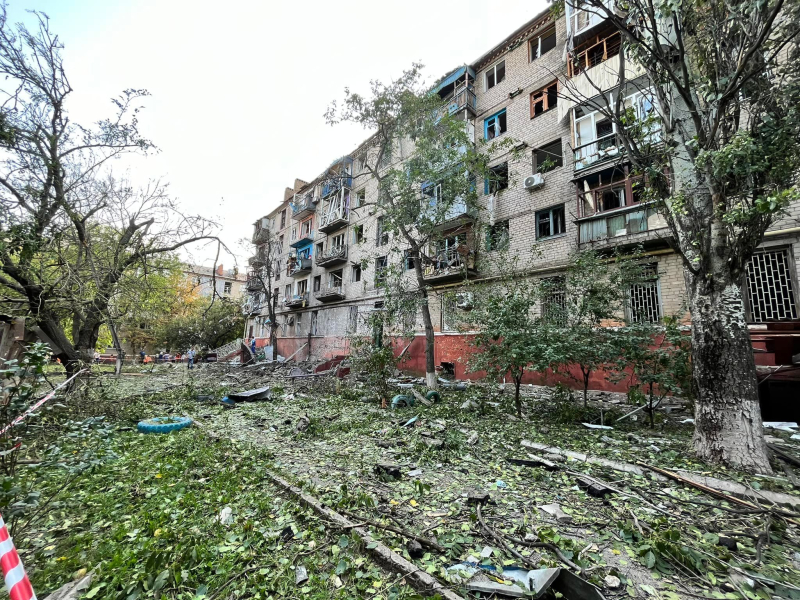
point(566, 187)
point(229, 283)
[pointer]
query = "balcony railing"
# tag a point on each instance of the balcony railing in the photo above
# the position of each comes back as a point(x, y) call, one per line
point(600, 149)
point(609, 197)
point(330, 293)
point(300, 266)
point(336, 212)
point(332, 256)
point(253, 281)
point(303, 206)
point(593, 54)
point(296, 301)
point(303, 239)
point(620, 223)
point(452, 263)
point(458, 211)
point(463, 97)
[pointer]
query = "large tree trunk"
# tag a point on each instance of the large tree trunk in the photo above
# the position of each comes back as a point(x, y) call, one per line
point(728, 425)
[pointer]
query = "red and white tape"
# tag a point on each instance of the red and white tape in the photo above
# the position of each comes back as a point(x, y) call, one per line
point(20, 418)
point(17, 583)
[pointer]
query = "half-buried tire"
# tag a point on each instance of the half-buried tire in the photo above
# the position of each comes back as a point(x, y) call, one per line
point(163, 424)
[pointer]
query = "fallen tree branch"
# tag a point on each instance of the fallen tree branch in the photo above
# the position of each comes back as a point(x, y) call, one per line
point(719, 494)
point(501, 540)
point(398, 531)
point(785, 456)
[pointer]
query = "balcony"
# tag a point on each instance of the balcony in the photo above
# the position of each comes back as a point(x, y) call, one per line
point(298, 267)
point(340, 175)
point(336, 212)
point(453, 264)
point(463, 98)
point(303, 206)
point(599, 150)
point(331, 293)
point(253, 307)
point(620, 225)
point(296, 301)
point(332, 256)
point(260, 235)
point(593, 52)
point(253, 281)
point(304, 239)
point(455, 214)
point(582, 20)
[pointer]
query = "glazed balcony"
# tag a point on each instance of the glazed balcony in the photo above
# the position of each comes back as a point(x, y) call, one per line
point(303, 206)
point(336, 212)
point(301, 266)
point(332, 293)
point(593, 52)
point(296, 301)
point(253, 281)
point(332, 256)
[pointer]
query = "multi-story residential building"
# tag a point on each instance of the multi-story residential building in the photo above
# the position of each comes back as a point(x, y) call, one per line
point(566, 187)
point(229, 283)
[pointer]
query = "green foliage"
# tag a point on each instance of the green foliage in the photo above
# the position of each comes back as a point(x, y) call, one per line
point(205, 323)
point(373, 358)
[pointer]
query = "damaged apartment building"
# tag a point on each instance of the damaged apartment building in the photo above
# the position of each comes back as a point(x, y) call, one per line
point(567, 187)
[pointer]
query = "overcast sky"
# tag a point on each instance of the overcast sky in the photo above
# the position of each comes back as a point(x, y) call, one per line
point(239, 88)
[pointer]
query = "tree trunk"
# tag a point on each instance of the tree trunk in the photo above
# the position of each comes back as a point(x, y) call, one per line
point(517, 400)
point(430, 365)
point(728, 427)
point(586, 374)
point(651, 410)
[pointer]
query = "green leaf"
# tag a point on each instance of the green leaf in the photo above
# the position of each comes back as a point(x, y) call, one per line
point(343, 542)
point(650, 559)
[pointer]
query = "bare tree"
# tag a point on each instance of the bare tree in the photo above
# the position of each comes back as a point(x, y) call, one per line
point(716, 132)
point(69, 231)
point(265, 264)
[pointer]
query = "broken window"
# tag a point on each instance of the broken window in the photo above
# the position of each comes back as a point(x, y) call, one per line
point(320, 249)
point(449, 313)
point(497, 180)
point(542, 44)
point(226, 290)
point(386, 157)
point(360, 199)
point(495, 74)
point(550, 222)
point(275, 293)
point(548, 157)
point(358, 234)
point(644, 297)
point(314, 320)
point(381, 266)
point(335, 278)
point(277, 269)
point(337, 241)
point(544, 99)
point(283, 218)
point(287, 292)
point(302, 287)
point(298, 322)
point(355, 273)
point(280, 244)
point(495, 125)
point(317, 283)
point(497, 237)
point(381, 235)
point(408, 260)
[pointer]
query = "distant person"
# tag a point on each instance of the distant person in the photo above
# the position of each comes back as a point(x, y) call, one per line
point(142, 355)
point(96, 357)
point(160, 356)
point(253, 346)
point(190, 357)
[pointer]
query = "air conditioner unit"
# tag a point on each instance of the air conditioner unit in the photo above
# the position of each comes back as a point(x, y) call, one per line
point(464, 300)
point(534, 182)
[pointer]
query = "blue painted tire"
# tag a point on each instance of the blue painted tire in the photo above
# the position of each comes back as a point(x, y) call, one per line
point(163, 424)
point(401, 400)
point(433, 396)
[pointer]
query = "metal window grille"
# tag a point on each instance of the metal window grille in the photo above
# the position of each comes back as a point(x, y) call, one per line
point(769, 287)
point(644, 298)
point(554, 302)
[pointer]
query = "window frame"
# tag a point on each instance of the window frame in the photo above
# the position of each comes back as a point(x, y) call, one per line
point(549, 211)
point(542, 147)
point(488, 184)
point(545, 99)
point(380, 270)
point(538, 39)
point(492, 241)
point(495, 118)
point(355, 270)
point(493, 71)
